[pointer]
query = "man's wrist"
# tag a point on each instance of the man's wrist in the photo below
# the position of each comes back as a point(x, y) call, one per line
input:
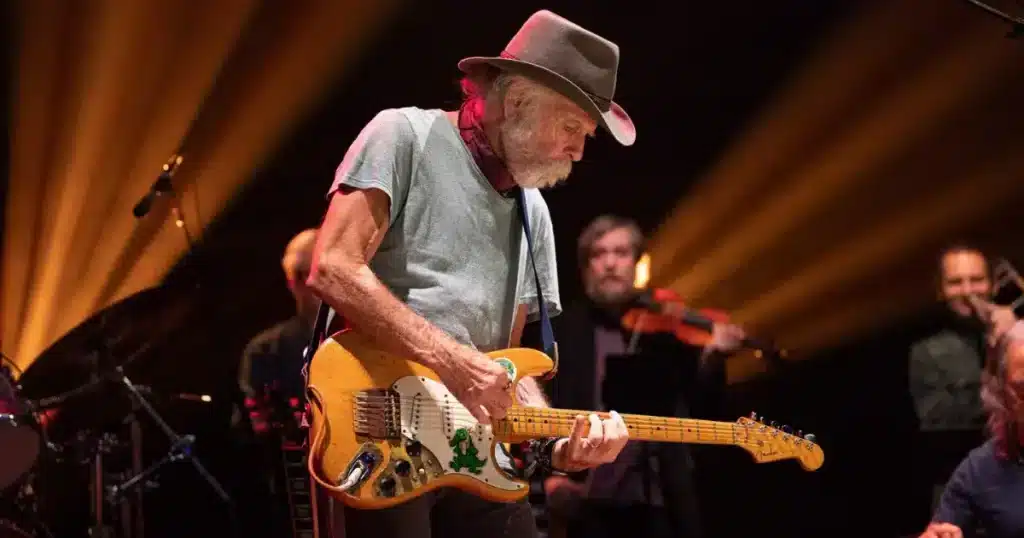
point(534, 457)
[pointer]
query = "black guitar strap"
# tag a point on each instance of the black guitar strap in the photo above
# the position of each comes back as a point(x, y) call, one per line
point(317, 336)
point(547, 332)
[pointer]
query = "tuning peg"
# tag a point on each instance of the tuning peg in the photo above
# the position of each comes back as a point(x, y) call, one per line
point(810, 437)
point(786, 429)
point(753, 416)
point(774, 424)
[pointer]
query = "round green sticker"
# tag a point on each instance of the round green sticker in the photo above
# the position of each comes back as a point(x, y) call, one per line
point(509, 366)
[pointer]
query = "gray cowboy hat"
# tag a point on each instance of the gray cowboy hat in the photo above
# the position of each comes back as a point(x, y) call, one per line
point(570, 60)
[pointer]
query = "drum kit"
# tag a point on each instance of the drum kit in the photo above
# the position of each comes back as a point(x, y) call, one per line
point(74, 414)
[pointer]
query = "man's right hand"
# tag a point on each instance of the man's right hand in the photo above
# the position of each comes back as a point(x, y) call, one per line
point(1000, 319)
point(942, 530)
point(480, 384)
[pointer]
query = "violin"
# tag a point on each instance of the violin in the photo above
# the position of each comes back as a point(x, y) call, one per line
point(996, 325)
point(661, 311)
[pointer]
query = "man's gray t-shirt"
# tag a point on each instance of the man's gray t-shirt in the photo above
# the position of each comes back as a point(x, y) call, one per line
point(455, 251)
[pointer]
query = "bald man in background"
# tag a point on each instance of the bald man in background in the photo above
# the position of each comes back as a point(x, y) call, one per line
point(273, 359)
point(271, 385)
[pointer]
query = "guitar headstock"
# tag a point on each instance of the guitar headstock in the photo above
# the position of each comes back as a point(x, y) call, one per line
point(771, 442)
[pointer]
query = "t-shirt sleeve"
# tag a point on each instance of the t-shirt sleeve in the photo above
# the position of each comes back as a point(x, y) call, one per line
point(957, 505)
point(381, 157)
point(544, 255)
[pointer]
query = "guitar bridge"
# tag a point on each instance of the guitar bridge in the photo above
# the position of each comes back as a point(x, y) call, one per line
point(376, 414)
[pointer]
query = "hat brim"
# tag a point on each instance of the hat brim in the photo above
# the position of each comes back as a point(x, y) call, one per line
point(615, 120)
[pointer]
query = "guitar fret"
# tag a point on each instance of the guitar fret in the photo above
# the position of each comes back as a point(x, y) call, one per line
point(541, 422)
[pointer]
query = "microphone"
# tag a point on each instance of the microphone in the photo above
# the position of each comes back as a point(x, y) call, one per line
point(161, 186)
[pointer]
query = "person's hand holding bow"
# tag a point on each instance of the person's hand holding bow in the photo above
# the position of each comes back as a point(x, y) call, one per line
point(726, 338)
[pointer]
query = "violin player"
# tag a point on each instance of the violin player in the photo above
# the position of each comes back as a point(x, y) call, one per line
point(615, 499)
point(945, 368)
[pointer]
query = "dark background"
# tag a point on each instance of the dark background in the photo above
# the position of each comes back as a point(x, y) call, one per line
point(693, 75)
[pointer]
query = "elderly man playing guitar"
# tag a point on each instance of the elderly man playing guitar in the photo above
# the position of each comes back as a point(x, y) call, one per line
point(437, 240)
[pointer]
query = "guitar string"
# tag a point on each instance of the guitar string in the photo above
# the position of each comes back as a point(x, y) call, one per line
point(706, 430)
point(731, 436)
point(548, 412)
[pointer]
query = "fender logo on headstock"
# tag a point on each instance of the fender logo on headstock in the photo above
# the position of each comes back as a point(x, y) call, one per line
point(766, 450)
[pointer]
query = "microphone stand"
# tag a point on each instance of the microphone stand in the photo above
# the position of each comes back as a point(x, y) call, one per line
point(181, 449)
point(181, 446)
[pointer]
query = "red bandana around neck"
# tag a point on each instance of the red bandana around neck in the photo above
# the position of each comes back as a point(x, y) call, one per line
point(492, 166)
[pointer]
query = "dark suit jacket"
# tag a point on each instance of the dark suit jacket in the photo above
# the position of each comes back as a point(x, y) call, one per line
point(945, 384)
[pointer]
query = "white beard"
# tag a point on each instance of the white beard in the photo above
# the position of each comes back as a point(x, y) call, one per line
point(542, 177)
point(528, 169)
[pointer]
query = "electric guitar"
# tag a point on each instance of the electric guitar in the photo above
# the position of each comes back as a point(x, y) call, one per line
point(385, 430)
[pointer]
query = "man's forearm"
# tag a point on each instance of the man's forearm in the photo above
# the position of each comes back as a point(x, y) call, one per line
point(529, 393)
point(366, 303)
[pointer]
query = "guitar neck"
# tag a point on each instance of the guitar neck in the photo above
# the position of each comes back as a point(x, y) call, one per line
point(535, 422)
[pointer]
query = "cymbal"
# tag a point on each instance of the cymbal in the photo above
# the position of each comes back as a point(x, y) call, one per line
point(115, 336)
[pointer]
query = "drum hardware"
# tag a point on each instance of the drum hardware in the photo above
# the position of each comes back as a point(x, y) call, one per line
point(28, 523)
point(180, 449)
point(19, 436)
point(67, 388)
point(104, 445)
point(9, 529)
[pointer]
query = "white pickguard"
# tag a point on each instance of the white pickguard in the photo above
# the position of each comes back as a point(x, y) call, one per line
point(431, 416)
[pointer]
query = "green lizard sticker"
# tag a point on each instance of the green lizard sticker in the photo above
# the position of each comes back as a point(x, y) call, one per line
point(465, 452)
point(509, 366)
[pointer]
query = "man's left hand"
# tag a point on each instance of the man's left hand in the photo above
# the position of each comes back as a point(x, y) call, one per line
point(726, 338)
point(602, 443)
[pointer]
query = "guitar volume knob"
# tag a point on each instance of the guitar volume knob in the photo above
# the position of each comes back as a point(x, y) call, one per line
point(387, 486)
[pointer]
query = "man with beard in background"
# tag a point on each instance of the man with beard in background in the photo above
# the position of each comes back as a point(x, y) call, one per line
point(945, 368)
point(649, 491)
